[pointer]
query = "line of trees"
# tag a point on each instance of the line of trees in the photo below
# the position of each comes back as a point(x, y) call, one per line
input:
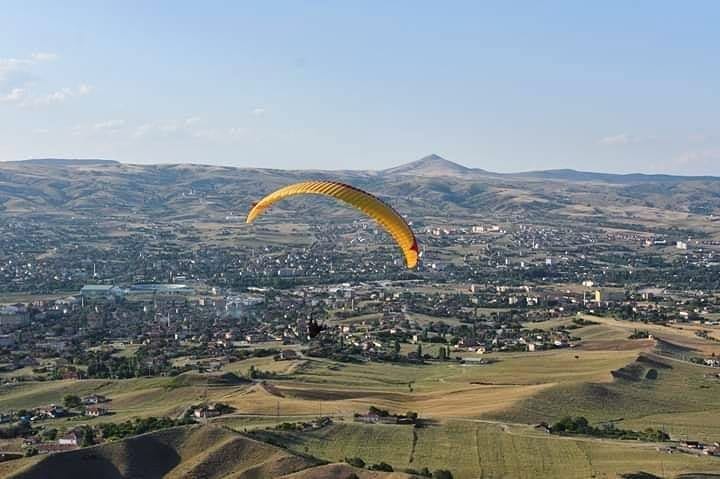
point(139, 426)
point(385, 467)
point(580, 425)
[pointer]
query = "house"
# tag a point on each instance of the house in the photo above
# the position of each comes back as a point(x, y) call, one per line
point(373, 418)
point(471, 360)
point(542, 427)
point(7, 340)
point(320, 422)
point(52, 411)
point(96, 411)
point(287, 355)
point(30, 441)
point(206, 412)
point(94, 399)
point(69, 439)
point(691, 444)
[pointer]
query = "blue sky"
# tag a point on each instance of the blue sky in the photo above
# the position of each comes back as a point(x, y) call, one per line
point(506, 86)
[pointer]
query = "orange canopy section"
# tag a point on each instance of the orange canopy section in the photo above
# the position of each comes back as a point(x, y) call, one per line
point(387, 217)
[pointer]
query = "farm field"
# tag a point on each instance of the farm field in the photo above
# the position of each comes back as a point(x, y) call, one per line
point(481, 416)
point(478, 449)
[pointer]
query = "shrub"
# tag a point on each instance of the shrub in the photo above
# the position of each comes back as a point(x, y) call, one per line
point(442, 474)
point(383, 466)
point(355, 462)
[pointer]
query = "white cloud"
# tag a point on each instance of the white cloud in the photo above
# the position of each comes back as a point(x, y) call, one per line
point(258, 111)
point(109, 125)
point(15, 95)
point(187, 128)
point(11, 65)
point(625, 139)
point(84, 89)
point(16, 73)
point(162, 128)
point(58, 96)
point(237, 132)
point(44, 56)
point(699, 157)
point(100, 128)
point(621, 139)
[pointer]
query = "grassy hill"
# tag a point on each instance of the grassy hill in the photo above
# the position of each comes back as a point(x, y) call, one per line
point(675, 398)
point(193, 452)
point(472, 449)
point(482, 415)
point(188, 452)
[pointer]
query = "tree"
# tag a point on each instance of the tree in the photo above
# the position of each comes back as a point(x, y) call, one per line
point(383, 466)
point(355, 462)
point(86, 435)
point(72, 401)
point(442, 353)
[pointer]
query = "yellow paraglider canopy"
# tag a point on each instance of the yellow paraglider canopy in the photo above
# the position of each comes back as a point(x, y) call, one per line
point(387, 217)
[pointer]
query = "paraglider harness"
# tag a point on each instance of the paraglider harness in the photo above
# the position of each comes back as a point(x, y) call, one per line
point(314, 329)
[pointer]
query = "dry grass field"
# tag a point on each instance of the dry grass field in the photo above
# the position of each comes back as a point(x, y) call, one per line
point(478, 411)
point(479, 449)
point(198, 451)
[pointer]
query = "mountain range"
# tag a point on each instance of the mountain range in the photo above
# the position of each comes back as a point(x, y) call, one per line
point(430, 186)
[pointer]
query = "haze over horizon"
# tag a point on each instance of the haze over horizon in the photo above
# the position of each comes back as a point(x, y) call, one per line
point(302, 85)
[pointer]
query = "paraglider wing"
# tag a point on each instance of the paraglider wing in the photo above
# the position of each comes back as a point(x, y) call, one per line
point(387, 217)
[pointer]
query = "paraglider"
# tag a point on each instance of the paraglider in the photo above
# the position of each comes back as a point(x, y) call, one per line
point(314, 328)
point(387, 217)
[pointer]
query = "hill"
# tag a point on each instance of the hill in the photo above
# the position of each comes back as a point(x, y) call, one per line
point(184, 452)
point(476, 448)
point(429, 187)
point(65, 162)
point(630, 178)
point(431, 166)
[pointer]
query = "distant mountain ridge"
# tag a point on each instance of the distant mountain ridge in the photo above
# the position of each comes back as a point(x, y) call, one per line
point(429, 166)
point(66, 162)
point(576, 175)
point(430, 186)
